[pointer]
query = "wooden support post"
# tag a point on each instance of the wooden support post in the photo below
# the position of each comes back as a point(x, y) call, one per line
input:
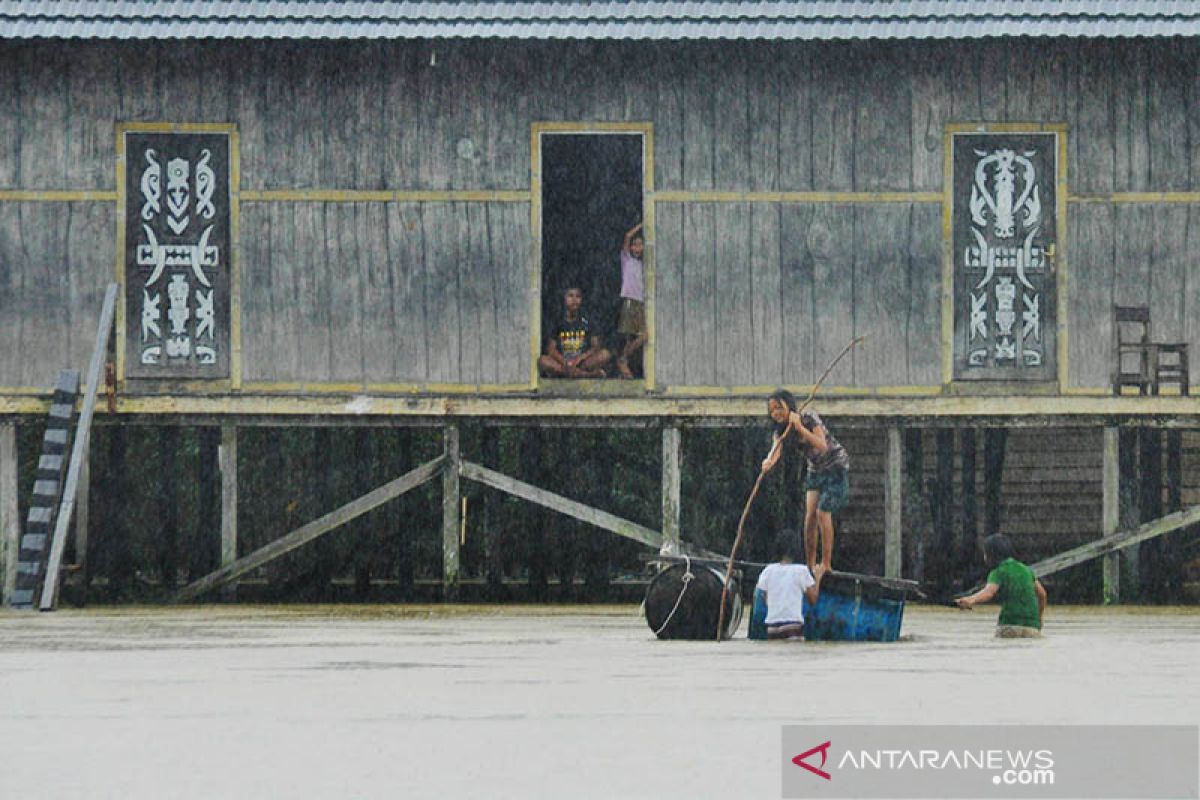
point(995, 442)
point(227, 465)
point(893, 503)
point(942, 560)
point(968, 545)
point(451, 509)
point(1111, 513)
point(10, 523)
point(671, 460)
point(915, 508)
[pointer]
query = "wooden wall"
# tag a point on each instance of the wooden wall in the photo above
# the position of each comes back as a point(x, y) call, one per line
point(749, 293)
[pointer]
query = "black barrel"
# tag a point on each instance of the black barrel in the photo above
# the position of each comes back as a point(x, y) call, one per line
point(684, 602)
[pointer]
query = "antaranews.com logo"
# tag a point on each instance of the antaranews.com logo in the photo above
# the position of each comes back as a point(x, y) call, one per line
point(1007, 761)
point(1009, 767)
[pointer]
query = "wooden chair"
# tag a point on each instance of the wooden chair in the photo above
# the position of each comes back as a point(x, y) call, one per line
point(1173, 368)
point(1134, 352)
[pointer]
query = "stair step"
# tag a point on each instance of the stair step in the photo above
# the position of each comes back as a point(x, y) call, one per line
point(55, 441)
point(50, 466)
point(45, 489)
point(63, 411)
point(34, 541)
point(42, 514)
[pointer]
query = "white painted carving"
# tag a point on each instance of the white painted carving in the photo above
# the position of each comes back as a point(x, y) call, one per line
point(1031, 318)
point(179, 347)
point(206, 320)
point(1006, 316)
point(1024, 259)
point(177, 311)
point(151, 187)
point(150, 315)
point(158, 256)
point(205, 185)
point(978, 358)
point(151, 355)
point(979, 316)
point(206, 354)
point(1006, 350)
point(1001, 196)
point(178, 195)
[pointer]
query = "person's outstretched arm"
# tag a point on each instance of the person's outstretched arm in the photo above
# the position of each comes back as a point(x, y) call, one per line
point(1041, 595)
point(629, 237)
point(772, 458)
point(982, 596)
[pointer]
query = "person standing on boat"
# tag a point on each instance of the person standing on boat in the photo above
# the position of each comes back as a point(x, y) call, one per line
point(827, 486)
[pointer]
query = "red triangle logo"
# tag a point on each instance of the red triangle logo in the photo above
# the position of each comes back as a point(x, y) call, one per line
point(823, 749)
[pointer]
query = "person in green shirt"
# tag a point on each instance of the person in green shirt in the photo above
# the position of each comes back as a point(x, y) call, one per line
point(1022, 596)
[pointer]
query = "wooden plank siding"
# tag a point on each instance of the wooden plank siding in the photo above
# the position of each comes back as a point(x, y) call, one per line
point(751, 291)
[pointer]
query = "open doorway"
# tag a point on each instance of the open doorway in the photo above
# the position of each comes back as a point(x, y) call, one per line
point(591, 196)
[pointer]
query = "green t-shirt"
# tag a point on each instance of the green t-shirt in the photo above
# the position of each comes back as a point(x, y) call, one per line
point(1019, 603)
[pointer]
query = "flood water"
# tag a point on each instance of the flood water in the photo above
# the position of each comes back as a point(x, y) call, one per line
point(486, 702)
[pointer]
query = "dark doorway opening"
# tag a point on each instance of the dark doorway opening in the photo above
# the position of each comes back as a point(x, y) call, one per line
point(591, 195)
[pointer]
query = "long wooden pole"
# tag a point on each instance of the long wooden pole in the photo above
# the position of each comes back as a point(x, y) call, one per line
point(741, 528)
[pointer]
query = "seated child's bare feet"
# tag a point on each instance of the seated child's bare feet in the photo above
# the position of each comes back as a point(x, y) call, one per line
point(623, 368)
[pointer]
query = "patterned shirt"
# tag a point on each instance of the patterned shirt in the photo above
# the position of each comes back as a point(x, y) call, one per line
point(572, 337)
point(834, 457)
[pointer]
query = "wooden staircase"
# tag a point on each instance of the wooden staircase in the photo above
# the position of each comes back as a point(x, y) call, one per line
point(34, 552)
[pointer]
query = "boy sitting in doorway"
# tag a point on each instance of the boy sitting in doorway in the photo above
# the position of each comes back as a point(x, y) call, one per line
point(572, 351)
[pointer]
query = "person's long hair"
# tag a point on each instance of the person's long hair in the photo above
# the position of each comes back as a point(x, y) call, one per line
point(788, 400)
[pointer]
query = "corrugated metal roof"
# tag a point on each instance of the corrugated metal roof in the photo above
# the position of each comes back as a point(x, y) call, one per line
point(716, 19)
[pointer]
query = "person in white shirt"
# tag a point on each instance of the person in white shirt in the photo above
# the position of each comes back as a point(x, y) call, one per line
point(785, 584)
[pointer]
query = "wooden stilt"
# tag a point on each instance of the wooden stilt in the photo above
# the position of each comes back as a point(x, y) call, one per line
point(1110, 513)
point(893, 495)
point(671, 459)
point(83, 496)
point(168, 506)
point(916, 504)
point(995, 441)
point(10, 523)
point(968, 545)
point(491, 519)
point(943, 507)
point(451, 511)
point(1150, 507)
point(227, 465)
